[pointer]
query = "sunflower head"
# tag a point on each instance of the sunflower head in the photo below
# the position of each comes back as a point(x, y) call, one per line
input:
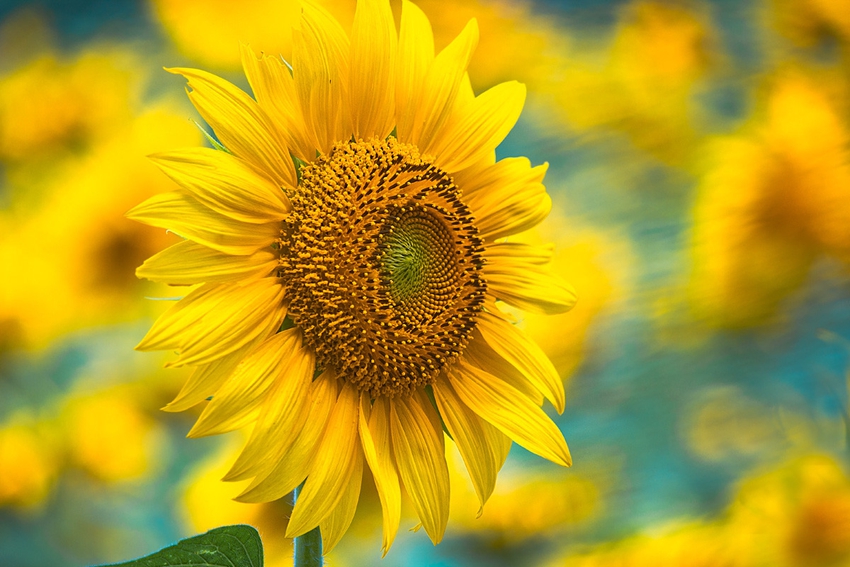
point(346, 250)
point(379, 243)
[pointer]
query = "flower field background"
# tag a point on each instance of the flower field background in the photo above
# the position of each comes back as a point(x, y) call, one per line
point(699, 165)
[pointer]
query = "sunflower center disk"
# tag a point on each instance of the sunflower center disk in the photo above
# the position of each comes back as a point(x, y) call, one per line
point(382, 265)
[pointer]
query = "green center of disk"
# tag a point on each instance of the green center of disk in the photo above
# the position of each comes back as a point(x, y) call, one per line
point(417, 263)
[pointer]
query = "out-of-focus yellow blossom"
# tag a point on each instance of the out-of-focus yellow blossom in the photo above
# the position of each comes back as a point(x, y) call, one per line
point(692, 545)
point(746, 259)
point(515, 42)
point(63, 232)
point(109, 432)
point(109, 436)
point(771, 201)
point(209, 31)
point(74, 256)
point(729, 424)
point(821, 534)
point(29, 461)
point(645, 81)
point(524, 504)
point(674, 40)
point(50, 106)
point(797, 514)
point(208, 504)
point(808, 21)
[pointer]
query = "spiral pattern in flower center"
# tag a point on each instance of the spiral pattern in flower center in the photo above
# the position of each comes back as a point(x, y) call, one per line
point(382, 264)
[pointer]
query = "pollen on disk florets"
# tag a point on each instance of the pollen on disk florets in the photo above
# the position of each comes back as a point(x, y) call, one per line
point(381, 262)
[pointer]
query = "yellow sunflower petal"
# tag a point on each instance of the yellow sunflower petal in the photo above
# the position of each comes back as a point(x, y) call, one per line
point(240, 124)
point(511, 412)
point(333, 466)
point(444, 81)
point(293, 464)
point(225, 184)
point(336, 524)
point(419, 450)
point(517, 213)
point(477, 169)
point(175, 326)
point(485, 178)
point(320, 68)
point(206, 379)
point(519, 250)
point(526, 285)
point(512, 345)
point(187, 217)
point(203, 382)
point(282, 413)
point(478, 127)
point(480, 444)
point(249, 310)
point(507, 197)
point(190, 263)
point(377, 447)
point(479, 354)
point(371, 85)
point(415, 56)
point(274, 89)
point(465, 98)
point(245, 389)
point(432, 103)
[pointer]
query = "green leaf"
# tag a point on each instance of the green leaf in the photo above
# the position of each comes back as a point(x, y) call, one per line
point(227, 546)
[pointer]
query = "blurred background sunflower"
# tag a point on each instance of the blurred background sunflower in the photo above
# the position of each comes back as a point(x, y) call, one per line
point(700, 179)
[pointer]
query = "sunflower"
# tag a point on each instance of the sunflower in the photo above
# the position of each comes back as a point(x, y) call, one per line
point(345, 244)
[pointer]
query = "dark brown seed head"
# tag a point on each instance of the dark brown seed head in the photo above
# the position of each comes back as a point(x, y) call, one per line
point(381, 262)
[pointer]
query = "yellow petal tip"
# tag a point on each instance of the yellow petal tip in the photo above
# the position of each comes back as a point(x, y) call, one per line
point(245, 497)
point(132, 214)
point(198, 430)
point(231, 476)
point(566, 459)
point(298, 530)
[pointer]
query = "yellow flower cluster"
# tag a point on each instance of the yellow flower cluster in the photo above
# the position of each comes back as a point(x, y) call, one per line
point(75, 162)
point(36, 448)
point(796, 515)
point(772, 200)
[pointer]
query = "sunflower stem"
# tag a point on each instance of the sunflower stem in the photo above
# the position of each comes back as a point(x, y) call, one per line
point(308, 547)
